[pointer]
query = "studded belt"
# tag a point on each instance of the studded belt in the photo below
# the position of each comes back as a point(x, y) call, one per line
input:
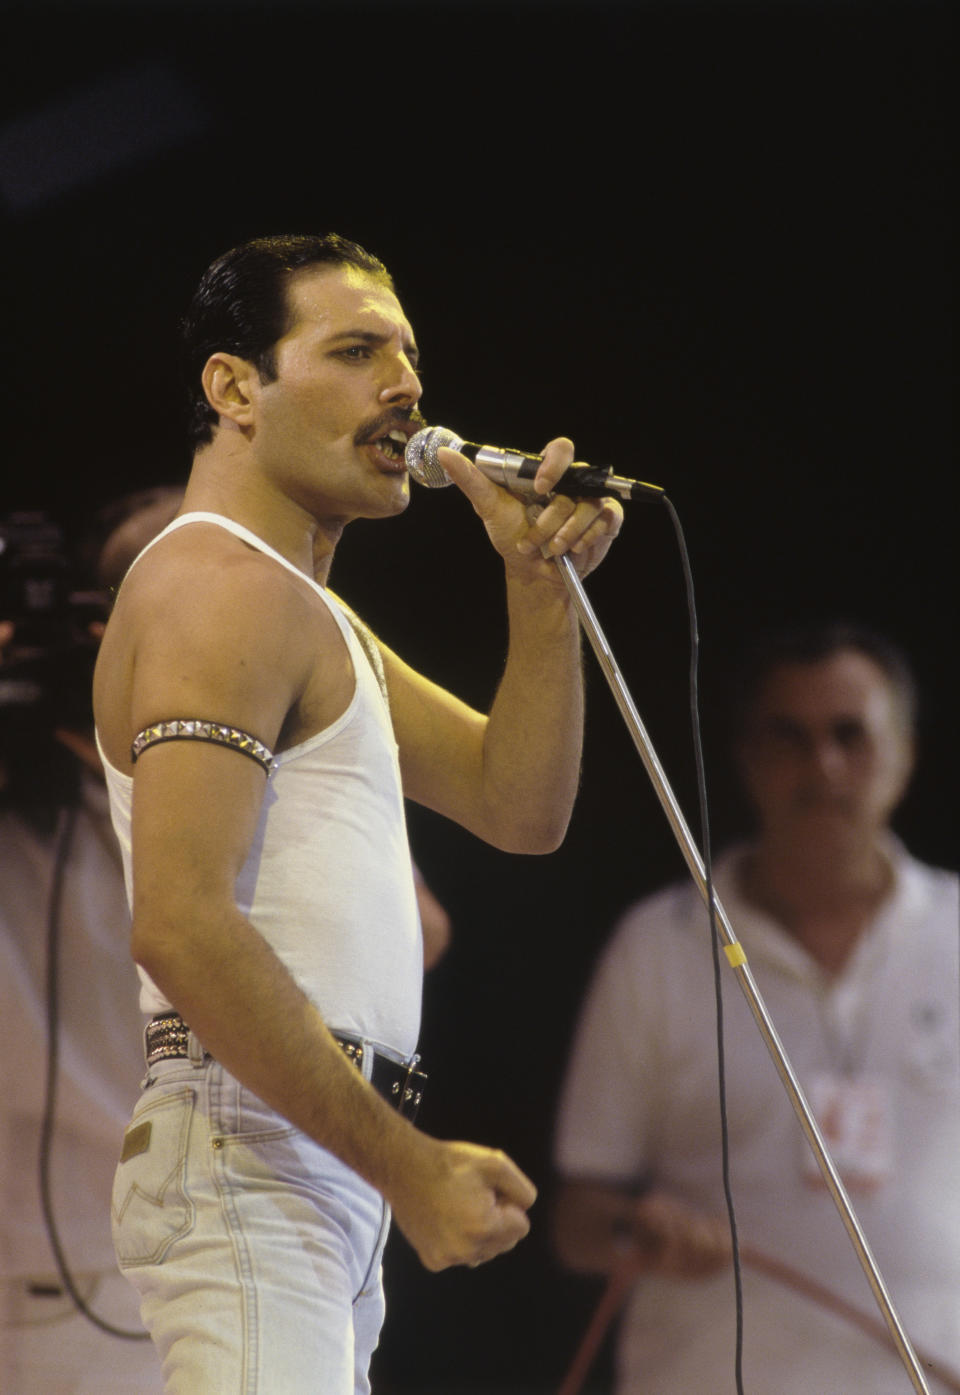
point(167, 1038)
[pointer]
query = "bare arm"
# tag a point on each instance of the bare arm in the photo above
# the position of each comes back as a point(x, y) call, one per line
point(595, 1224)
point(511, 777)
point(456, 1203)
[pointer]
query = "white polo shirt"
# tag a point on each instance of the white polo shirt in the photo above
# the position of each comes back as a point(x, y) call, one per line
point(641, 1097)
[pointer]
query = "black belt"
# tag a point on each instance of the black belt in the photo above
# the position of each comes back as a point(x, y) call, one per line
point(167, 1038)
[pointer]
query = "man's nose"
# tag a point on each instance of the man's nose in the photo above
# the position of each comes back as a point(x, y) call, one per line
point(405, 388)
point(828, 758)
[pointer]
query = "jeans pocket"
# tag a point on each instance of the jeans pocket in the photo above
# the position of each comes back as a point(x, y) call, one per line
point(150, 1208)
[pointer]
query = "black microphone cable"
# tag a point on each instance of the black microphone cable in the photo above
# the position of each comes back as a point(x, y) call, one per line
point(715, 942)
point(613, 1294)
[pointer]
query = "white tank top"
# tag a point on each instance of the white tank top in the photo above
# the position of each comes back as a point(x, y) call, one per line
point(328, 880)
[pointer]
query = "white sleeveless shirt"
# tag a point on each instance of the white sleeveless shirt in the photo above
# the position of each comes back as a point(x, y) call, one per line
point(328, 880)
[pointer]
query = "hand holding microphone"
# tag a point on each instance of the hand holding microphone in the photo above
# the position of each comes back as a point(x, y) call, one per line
point(515, 470)
point(574, 514)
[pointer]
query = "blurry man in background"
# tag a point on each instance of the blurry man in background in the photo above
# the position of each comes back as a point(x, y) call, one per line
point(854, 946)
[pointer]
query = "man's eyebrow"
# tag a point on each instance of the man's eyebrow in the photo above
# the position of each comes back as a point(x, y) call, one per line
point(369, 336)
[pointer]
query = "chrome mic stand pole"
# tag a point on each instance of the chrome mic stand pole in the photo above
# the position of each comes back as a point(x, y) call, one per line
point(738, 963)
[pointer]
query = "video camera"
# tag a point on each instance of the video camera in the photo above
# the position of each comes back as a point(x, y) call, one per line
point(46, 669)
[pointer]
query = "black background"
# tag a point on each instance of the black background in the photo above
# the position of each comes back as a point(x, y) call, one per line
point(710, 242)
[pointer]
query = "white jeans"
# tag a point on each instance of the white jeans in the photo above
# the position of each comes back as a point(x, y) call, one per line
point(256, 1253)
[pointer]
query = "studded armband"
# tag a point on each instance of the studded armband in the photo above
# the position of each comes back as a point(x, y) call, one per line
point(193, 730)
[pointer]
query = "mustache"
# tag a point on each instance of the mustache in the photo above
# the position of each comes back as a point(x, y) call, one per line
point(822, 799)
point(400, 417)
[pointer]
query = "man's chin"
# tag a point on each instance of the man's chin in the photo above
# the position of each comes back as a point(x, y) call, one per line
point(395, 502)
point(825, 826)
point(401, 497)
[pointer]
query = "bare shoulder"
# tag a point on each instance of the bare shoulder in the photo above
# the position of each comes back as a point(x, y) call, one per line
point(205, 624)
point(206, 564)
point(202, 589)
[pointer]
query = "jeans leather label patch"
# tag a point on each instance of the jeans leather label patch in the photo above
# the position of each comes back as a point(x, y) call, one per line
point(136, 1141)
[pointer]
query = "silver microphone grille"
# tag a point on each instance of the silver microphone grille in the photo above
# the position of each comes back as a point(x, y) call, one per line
point(421, 455)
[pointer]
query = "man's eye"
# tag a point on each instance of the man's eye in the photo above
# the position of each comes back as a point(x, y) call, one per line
point(786, 733)
point(849, 733)
point(355, 351)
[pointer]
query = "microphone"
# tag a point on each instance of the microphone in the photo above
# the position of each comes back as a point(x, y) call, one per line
point(515, 469)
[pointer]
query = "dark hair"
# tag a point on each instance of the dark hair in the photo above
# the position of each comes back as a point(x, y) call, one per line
point(810, 643)
point(241, 307)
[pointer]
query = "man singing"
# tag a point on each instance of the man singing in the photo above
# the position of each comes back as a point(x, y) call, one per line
point(258, 744)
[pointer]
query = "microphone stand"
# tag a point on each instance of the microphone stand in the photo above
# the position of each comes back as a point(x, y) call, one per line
point(738, 962)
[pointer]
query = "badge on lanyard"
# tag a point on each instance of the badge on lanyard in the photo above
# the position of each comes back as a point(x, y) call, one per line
point(856, 1120)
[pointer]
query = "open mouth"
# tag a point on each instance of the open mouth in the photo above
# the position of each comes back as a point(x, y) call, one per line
point(392, 445)
point(388, 438)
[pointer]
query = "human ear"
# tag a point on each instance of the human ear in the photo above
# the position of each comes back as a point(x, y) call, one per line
point(228, 384)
